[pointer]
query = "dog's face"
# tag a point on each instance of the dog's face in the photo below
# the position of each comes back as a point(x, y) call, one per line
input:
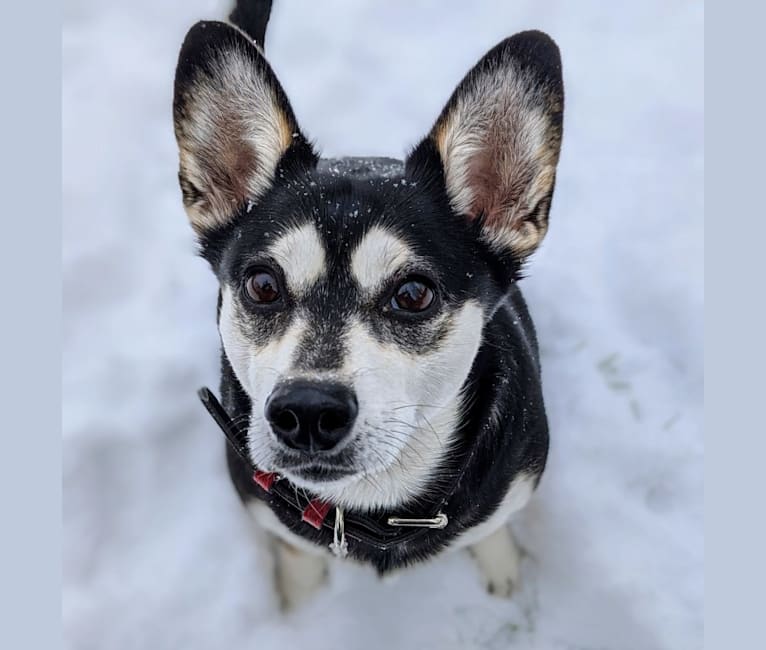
point(332, 296)
point(352, 307)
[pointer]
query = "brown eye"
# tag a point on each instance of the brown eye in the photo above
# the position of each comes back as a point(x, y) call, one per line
point(412, 296)
point(262, 287)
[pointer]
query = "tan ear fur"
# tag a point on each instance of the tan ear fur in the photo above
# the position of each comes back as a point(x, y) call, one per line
point(499, 139)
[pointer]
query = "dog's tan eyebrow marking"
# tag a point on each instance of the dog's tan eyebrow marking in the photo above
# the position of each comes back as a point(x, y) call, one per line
point(378, 256)
point(301, 254)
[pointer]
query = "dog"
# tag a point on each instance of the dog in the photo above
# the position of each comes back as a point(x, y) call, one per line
point(378, 359)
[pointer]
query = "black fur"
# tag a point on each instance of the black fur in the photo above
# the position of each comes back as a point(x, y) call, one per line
point(505, 375)
point(504, 429)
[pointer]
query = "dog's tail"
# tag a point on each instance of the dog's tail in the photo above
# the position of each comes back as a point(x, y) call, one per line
point(252, 16)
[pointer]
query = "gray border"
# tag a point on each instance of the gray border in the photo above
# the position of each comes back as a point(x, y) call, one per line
point(735, 435)
point(30, 461)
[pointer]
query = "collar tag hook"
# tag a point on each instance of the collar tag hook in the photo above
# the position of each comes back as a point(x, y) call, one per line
point(339, 544)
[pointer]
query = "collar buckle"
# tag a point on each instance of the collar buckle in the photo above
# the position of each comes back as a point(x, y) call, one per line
point(439, 521)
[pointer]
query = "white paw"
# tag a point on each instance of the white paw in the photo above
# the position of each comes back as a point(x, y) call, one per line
point(298, 575)
point(497, 557)
point(502, 586)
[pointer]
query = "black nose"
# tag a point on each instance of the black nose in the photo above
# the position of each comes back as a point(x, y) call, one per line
point(311, 416)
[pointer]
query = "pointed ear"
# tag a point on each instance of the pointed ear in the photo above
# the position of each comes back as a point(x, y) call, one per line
point(498, 141)
point(233, 124)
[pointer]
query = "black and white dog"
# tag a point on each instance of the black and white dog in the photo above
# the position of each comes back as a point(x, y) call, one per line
point(377, 354)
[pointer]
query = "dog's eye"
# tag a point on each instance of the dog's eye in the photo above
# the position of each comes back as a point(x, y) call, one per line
point(412, 295)
point(262, 287)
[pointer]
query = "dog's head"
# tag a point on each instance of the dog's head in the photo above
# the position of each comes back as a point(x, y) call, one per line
point(352, 307)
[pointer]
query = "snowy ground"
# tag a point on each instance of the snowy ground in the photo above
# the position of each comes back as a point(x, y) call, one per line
point(158, 553)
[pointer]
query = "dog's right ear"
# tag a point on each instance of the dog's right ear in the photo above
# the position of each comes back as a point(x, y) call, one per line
point(233, 124)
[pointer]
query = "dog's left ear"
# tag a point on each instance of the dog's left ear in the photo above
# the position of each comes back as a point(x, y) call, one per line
point(498, 141)
point(233, 124)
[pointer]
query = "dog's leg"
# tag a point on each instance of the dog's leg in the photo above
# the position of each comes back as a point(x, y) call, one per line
point(298, 574)
point(498, 559)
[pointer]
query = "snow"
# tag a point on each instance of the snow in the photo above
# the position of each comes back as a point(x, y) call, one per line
point(158, 552)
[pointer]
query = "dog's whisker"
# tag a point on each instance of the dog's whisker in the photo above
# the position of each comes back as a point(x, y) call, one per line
point(419, 405)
